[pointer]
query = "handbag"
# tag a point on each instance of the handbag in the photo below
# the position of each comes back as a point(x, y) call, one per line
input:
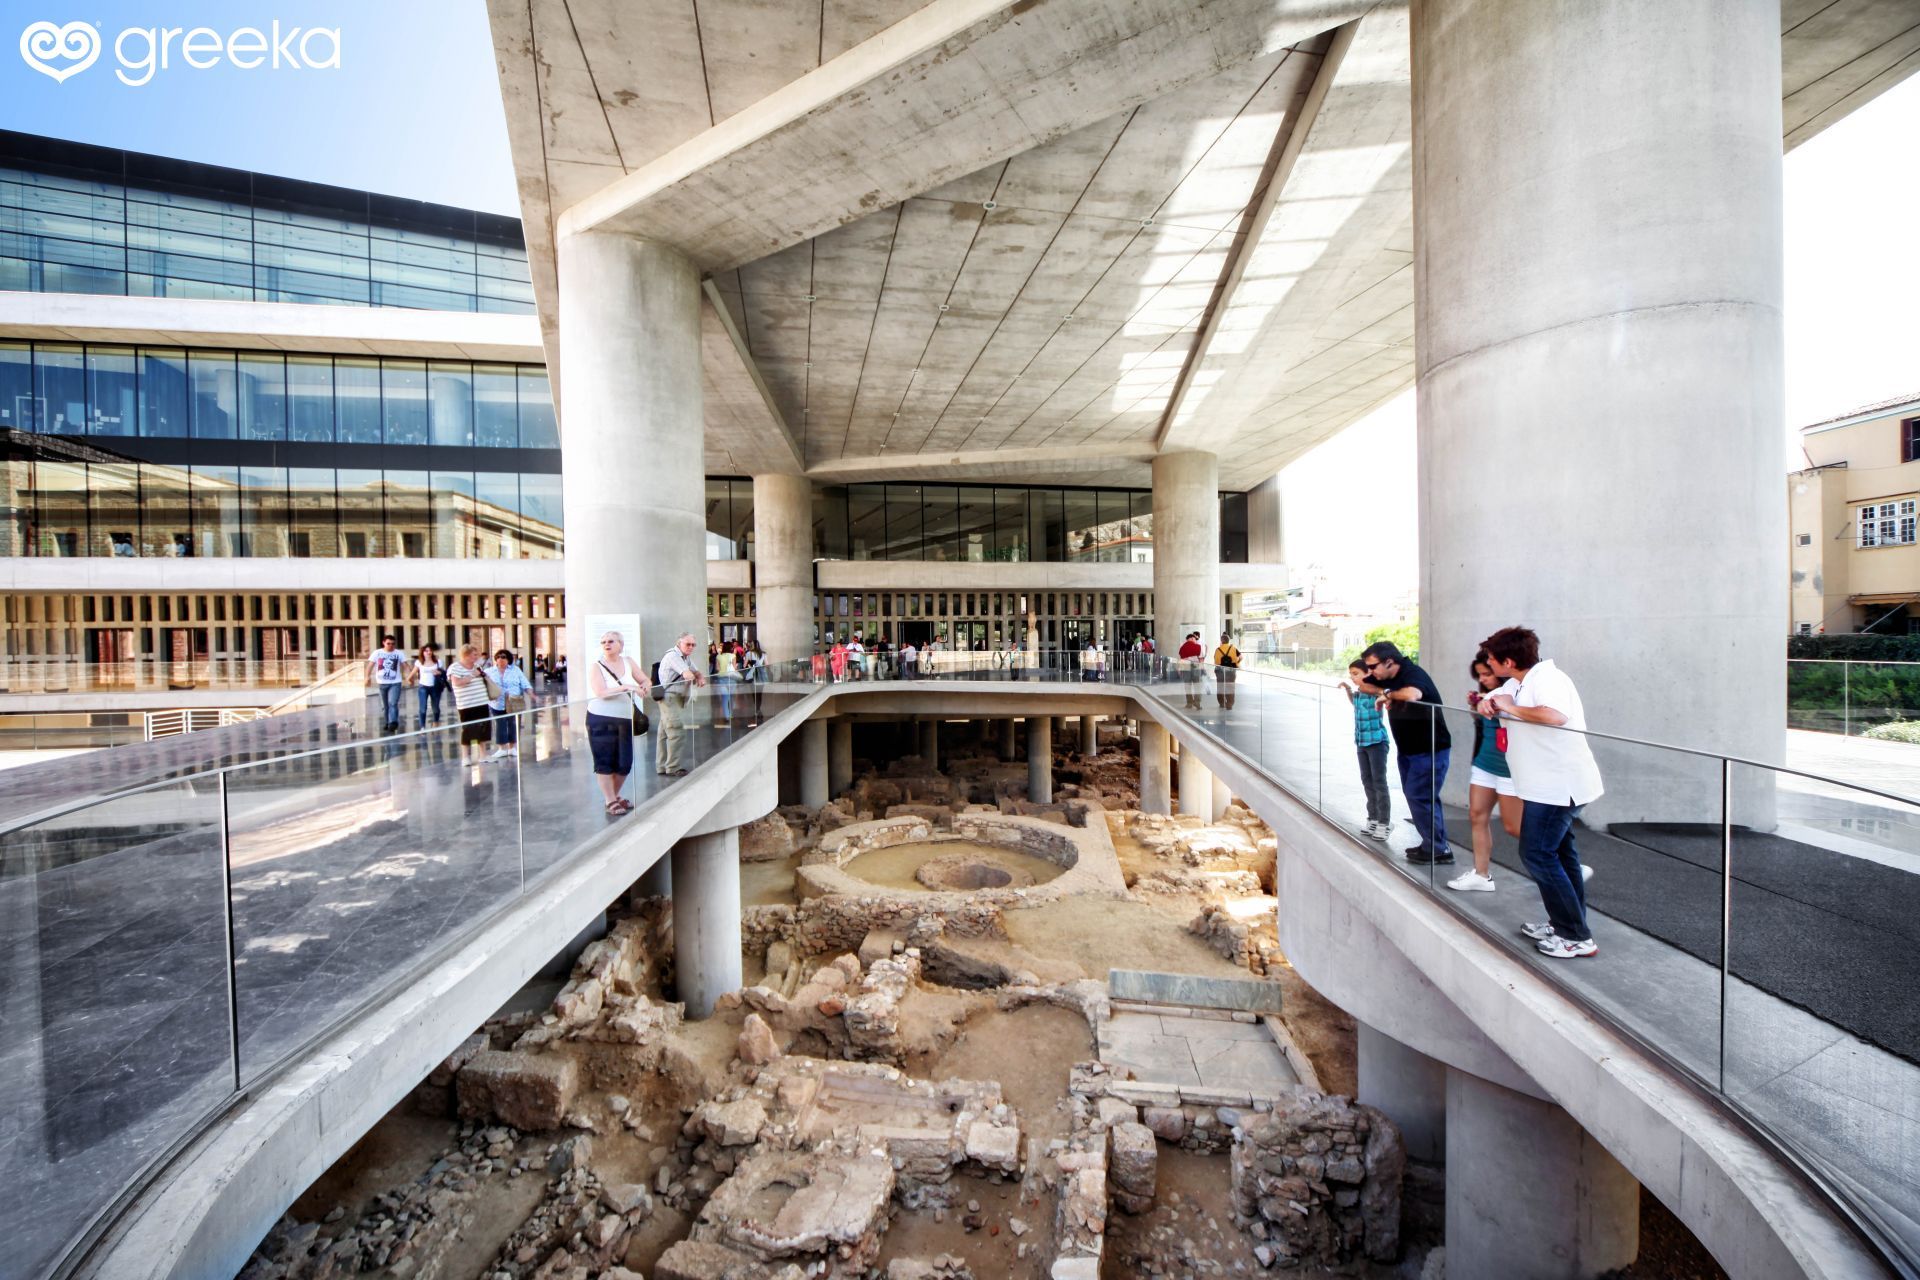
point(641, 724)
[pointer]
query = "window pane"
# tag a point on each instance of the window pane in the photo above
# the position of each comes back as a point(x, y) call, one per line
point(540, 524)
point(497, 514)
point(719, 521)
point(403, 396)
point(263, 397)
point(263, 511)
point(974, 540)
point(409, 514)
point(1082, 516)
point(453, 514)
point(742, 534)
point(61, 493)
point(356, 405)
point(362, 511)
point(310, 399)
point(906, 521)
point(866, 522)
point(495, 417)
point(312, 521)
point(216, 511)
point(1140, 550)
point(1009, 524)
point(211, 374)
point(450, 389)
point(111, 404)
point(16, 500)
point(537, 428)
point(16, 386)
point(1049, 529)
point(166, 514)
point(60, 389)
point(941, 529)
point(163, 396)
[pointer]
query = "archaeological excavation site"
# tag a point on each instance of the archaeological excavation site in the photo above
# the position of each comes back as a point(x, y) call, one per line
point(979, 1035)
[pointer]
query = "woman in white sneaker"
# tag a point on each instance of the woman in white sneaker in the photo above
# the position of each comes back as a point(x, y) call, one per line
point(1492, 783)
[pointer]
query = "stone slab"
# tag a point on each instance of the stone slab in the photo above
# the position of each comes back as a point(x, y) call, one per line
point(1245, 994)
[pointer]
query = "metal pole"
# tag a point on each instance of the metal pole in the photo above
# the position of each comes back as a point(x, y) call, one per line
point(1726, 905)
point(1846, 699)
point(520, 790)
point(226, 892)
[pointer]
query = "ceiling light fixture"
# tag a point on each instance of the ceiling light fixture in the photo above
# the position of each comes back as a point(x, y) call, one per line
point(989, 205)
point(808, 298)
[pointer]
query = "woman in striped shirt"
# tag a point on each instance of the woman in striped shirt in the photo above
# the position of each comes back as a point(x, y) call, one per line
point(472, 690)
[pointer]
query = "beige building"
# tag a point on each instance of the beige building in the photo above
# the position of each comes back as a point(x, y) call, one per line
point(1852, 515)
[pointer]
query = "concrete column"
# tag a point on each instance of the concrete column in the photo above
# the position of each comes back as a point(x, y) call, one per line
point(839, 756)
point(815, 786)
point(706, 918)
point(930, 742)
point(1008, 747)
point(1186, 549)
point(1156, 776)
point(1040, 759)
point(632, 468)
point(1196, 786)
point(1529, 1192)
point(657, 880)
point(1060, 728)
point(1219, 800)
point(1410, 1087)
point(1598, 282)
point(783, 565)
point(1089, 736)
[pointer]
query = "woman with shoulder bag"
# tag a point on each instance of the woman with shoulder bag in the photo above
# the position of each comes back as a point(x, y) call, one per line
point(511, 688)
point(613, 716)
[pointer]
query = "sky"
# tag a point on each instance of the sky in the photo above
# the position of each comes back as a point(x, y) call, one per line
point(413, 109)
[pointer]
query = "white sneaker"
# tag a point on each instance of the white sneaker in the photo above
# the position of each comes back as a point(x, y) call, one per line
point(1471, 881)
point(1538, 932)
point(1379, 830)
point(499, 753)
point(1567, 948)
point(1586, 873)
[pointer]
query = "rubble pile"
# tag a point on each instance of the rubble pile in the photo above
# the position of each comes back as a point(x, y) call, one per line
point(580, 1227)
point(1201, 856)
point(1318, 1179)
point(1246, 934)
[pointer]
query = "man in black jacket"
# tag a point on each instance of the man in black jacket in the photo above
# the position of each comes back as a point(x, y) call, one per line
point(1411, 702)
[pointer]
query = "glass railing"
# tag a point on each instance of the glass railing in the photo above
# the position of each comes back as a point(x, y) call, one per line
point(168, 946)
point(1755, 924)
point(1864, 699)
point(162, 675)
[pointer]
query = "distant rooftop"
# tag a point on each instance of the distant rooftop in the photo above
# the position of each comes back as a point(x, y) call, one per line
point(1911, 399)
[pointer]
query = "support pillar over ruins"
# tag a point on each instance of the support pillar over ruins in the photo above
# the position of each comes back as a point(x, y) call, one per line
point(1040, 759)
point(1410, 1087)
point(706, 918)
point(930, 742)
point(1156, 774)
point(1008, 739)
point(1530, 1192)
point(1221, 798)
point(1196, 786)
point(815, 787)
point(1089, 735)
point(839, 756)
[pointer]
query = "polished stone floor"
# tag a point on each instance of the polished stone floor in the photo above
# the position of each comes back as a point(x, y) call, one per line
point(1213, 1052)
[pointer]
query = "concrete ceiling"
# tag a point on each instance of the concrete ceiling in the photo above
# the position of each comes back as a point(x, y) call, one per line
point(1026, 242)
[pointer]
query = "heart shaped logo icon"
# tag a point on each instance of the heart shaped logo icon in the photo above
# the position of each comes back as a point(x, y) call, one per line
point(77, 42)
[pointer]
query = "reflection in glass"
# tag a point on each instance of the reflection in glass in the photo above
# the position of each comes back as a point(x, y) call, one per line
point(113, 408)
point(974, 535)
point(495, 406)
point(356, 405)
point(313, 528)
point(263, 511)
point(166, 513)
point(537, 427)
point(866, 522)
point(453, 523)
point(16, 500)
point(61, 493)
point(216, 511)
point(719, 521)
point(263, 396)
point(113, 494)
point(60, 389)
point(497, 514)
point(211, 376)
point(16, 386)
point(742, 522)
point(541, 516)
point(1048, 525)
point(403, 398)
point(450, 403)
point(1083, 519)
point(362, 512)
point(941, 530)
point(905, 522)
point(164, 414)
point(409, 514)
point(1009, 524)
point(309, 398)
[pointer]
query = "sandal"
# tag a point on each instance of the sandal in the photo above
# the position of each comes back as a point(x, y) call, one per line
point(626, 805)
point(614, 809)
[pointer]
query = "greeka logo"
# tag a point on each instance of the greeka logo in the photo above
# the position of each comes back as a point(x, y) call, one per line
point(143, 52)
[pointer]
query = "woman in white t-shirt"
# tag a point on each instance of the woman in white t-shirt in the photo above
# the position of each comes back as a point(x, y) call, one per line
point(617, 682)
point(432, 680)
point(472, 690)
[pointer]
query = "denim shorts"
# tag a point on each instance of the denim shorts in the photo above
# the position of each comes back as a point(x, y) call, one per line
point(610, 738)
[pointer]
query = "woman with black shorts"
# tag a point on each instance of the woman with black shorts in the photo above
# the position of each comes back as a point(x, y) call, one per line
point(617, 681)
point(471, 693)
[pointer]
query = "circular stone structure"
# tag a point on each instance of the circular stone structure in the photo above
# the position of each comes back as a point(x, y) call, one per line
point(966, 873)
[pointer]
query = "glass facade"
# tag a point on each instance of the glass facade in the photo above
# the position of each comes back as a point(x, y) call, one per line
point(125, 451)
point(982, 523)
point(83, 219)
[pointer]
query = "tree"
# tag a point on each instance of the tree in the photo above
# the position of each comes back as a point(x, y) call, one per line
point(1406, 635)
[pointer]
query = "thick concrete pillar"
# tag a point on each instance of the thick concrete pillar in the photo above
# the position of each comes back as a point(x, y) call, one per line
point(815, 785)
point(930, 743)
point(1008, 747)
point(706, 918)
point(632, 469)
point(1598, 282)
point(1089, 736)
point(783, 565)
point(1040, 759)
point(1186, 549)
point(1529, 1192)
point(1059, 728)
point(1196, 786)
point(1156, 774)
point(839, 756)
point(657, 880)
point(1410, 1087)
point(1219, 800)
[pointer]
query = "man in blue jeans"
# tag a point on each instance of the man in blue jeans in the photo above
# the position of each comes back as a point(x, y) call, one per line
point(1554, 772)
point(387, 669)
point(1420, 738)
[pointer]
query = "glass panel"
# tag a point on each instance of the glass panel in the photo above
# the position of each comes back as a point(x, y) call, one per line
point(450, 388)
point(16, 386)
point(541, 522)
point(409, 515)
point(263, 510)
point(942, 532)
point(113, 1008)
point(263, 397)
point(357, 401)
point(866, 522)
point(16, 501)
point(906, 521)
point(60, 389)
point(216, 511)
point(113, 409)
point(313, 522)
point(453, 524)
point(495, 413)
point(403, 397)
point(742, 522)
point(310, 398)
point(164, 396)
point(1009, 524)
point(212, 377)
point(1049, 537)
point(1140, 550)
point(497, 515)
point(166, 512)
point(113, 494)
point(61, 489)
point(537, 427)
point(1082, 517)
point(719, 521)
point(973, 537)
point(362, 512)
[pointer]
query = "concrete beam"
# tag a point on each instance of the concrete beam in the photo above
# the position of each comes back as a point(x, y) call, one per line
point(753, 435)
point(954, 86)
